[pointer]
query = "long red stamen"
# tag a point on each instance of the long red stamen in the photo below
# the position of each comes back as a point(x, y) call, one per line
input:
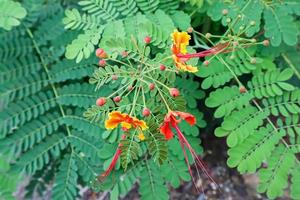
point(112, 164)
point(198, 161)
point(217, 49)
point(186, 159)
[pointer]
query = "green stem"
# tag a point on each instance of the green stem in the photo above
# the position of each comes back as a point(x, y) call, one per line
point(289, 62)
point(48, 75)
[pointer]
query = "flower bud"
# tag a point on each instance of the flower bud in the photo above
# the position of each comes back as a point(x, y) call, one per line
point(174, 92)
point(114, 77)
point(206, 62)
point(117, 99)
point(264, 165)
point(224, 12)
point(253, 40)
point(146, 112)
point(151, 86)
point(266, 43)
point(124, 54)
point(252, 23)
point(207, 35)
point(130, 88)
point(100, 53)
point(253, 61)
point(102, 63)
point(190, 30)
point(228, 20)
point(162, 67)
point(242, 89)
point(147, 39)
point(100, 101)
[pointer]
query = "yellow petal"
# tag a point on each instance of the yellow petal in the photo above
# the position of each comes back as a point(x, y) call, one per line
point(126, 125)
point(141, 136)
point(183, 67)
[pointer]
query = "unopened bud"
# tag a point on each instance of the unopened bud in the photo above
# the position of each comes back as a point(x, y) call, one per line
point(147, 39)
point(224, 11)
point(146, 112)
point(102, 63)
point(242, 89)
point(114, 77)
point(100, 101)
point(264, 165)
point(207, 35)
point(100, 53)
point(206, 62)
point(266, 43)
point(253, 61)
point(174, 92)
point(162, 67)
point(117, 99)
point(190, 30)
point(124, 54)
point(151, 86)
point(130, 88)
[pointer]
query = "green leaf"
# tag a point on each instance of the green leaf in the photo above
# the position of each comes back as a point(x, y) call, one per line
point(280, 27)
point(10, 14)
point(83, 46)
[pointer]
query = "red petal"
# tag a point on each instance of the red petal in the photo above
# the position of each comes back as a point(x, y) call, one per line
point(189, 118)
point(166, 131)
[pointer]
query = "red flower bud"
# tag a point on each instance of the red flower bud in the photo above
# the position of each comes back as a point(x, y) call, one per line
point(100, 101)
point(100, 53)
point(146, 112)
point(114, 77)
point(124, 54)
point(162, 67)
point(147, 39)
point(151, 86)
point(243, 89)
point(117, 99)
point(266, 43)
point(174, 92)
point(206, 62)
point(102, 63)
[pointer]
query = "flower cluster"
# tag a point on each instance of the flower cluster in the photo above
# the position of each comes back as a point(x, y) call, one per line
point(139, 80)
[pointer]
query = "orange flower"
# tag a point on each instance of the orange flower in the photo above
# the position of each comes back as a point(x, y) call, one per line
point(171, 121)
point(180, 41)
point(115, 118)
